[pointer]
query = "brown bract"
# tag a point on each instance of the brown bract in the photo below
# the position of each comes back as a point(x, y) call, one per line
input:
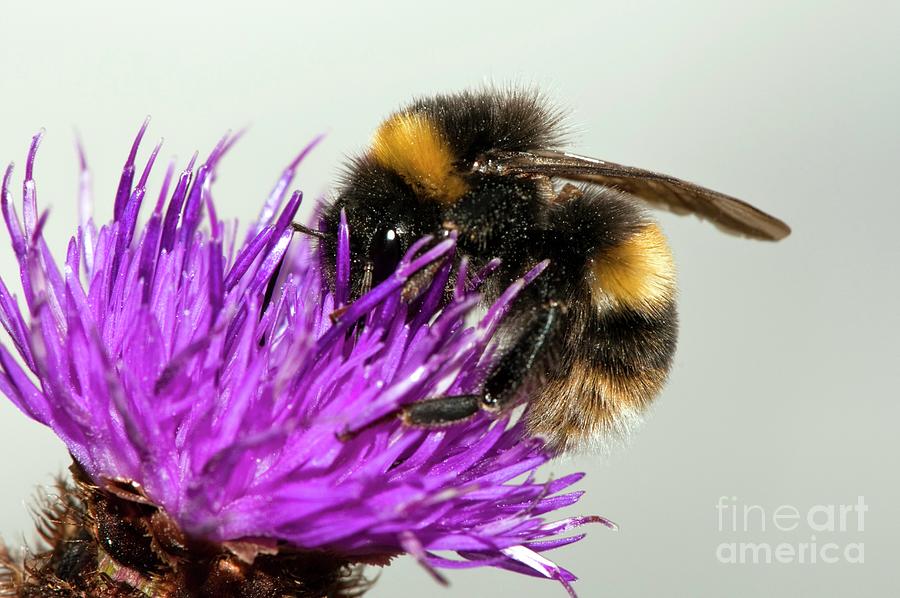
point(114, 542)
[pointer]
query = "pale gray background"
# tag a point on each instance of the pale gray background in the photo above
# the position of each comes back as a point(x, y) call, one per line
point(785, 385)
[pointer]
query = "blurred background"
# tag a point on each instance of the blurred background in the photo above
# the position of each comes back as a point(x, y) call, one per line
point(785, 386)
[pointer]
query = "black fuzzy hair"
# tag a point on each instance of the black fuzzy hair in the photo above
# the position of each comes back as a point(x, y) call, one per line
point(475, 121)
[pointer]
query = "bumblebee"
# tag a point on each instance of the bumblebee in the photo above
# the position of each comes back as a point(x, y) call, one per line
point(591, 340)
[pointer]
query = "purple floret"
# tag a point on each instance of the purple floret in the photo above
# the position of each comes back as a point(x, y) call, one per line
point(162, 356)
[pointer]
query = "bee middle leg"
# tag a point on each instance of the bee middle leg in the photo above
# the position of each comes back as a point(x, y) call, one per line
point(503, 383)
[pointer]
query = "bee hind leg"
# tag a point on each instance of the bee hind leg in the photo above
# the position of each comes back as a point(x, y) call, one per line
point(441, 411)
point(503, 383)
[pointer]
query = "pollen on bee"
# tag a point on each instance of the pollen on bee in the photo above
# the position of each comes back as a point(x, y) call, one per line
point(411, 145)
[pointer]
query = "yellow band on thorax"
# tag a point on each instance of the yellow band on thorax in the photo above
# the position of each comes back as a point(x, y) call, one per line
point(412, 146)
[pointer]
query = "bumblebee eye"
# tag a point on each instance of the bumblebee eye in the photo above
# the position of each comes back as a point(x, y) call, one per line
point(385, 253)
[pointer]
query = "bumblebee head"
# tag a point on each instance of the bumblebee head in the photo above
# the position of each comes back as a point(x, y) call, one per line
point(385, 216)
point(416, 178)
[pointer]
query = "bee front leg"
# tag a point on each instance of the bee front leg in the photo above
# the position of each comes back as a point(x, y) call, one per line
point(503, 383)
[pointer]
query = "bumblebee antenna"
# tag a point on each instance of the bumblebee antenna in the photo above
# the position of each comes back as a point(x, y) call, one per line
point(300, 228)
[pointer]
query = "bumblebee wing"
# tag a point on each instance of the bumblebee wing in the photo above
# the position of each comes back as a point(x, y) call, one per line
point(660, 190)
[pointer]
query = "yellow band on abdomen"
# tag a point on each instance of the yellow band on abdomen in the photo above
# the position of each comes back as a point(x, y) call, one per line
point(639, 273)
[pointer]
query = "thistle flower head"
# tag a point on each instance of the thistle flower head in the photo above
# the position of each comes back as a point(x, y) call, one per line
point(210, 377)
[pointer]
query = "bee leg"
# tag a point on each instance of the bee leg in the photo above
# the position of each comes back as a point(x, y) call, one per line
point(568, 193)
point(420, 281)
point(430, 413)
point(368, 270)
point(366, 286)
point(270, 287)
point(503, 383)
point(442, 411)
point(516, 365)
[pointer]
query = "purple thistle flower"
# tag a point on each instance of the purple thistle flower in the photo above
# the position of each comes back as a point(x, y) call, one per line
point(210, 375)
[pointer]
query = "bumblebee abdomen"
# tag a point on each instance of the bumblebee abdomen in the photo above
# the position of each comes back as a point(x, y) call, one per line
point(621, 329)
point(611, 368)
